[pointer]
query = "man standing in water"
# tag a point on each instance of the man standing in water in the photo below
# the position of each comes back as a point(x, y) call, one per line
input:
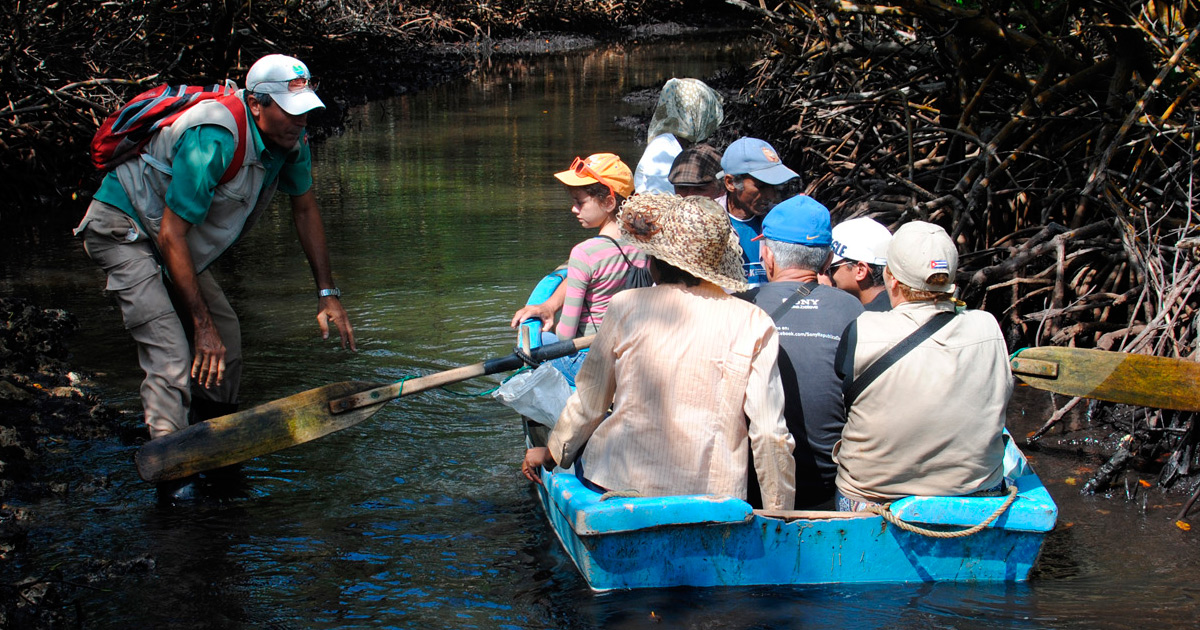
point(753, 173)
point(157, 223)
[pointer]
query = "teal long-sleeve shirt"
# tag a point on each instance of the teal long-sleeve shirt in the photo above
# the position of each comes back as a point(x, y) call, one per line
point(202, 154)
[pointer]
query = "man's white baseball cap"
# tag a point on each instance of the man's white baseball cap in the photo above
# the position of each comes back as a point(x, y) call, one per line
point(861, 240)
point(918, 252)
point(288, 82)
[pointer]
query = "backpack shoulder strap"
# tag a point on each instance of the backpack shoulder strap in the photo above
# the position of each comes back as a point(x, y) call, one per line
point(852, 388)
point(238, 108)
point(614, 242)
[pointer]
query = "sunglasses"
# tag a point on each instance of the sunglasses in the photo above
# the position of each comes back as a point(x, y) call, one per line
point(580, 167)
point(300, 84)
point(843, 263)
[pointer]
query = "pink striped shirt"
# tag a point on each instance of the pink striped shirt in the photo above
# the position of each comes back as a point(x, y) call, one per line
point(595, 273)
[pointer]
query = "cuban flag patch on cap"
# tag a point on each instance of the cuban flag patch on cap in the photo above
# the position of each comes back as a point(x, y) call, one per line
point(939, 265)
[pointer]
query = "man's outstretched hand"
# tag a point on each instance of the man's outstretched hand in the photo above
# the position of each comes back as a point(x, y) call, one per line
point(330, 309)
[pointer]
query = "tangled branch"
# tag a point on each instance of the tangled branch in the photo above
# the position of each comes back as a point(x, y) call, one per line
point(1057, 143)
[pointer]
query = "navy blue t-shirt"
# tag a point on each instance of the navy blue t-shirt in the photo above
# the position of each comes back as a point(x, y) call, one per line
point(881, 303)
point(809, 333)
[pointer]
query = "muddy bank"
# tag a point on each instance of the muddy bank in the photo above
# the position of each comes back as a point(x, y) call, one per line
point(43, 403)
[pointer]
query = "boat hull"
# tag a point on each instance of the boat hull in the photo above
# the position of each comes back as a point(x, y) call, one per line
point(625, 543)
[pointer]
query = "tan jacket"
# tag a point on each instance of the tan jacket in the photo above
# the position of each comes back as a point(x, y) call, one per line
point(684, 368)
point(931, 424)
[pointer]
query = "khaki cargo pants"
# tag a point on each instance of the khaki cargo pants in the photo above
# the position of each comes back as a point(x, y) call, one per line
point(114, 241)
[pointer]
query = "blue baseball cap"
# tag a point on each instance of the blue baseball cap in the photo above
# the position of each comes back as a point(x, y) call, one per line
point(756, 158)
point(800, 219)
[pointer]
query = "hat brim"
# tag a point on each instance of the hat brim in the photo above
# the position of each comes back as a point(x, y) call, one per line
point(870, 261)
point(774, 175)
point(570, 178)
point(690, 181)
point(296, 103)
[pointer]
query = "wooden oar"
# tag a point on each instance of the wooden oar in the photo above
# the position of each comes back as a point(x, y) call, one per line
point(303, 417)
point(1132, 379)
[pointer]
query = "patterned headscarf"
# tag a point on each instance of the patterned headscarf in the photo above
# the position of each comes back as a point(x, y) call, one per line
point(688, 109)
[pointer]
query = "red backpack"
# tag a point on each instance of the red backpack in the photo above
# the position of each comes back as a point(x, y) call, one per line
point(128, 129)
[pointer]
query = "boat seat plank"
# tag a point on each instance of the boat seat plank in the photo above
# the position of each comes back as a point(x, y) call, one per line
point(588, 515)
point(811, 515)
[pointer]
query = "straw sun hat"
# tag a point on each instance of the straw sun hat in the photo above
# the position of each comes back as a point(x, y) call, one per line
point(691, 233)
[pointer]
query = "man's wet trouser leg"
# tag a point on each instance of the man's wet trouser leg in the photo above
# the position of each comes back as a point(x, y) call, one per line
point(113, 240)
point(219, 400)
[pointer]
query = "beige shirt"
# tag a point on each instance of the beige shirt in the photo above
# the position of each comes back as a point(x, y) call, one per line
point(931, 424)
point(684, 368)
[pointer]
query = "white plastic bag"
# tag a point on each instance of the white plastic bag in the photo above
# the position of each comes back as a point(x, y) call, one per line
point(538, 394)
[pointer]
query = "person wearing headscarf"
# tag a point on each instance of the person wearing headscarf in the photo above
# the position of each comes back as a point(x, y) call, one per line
point(688, 370)
point(688, 111)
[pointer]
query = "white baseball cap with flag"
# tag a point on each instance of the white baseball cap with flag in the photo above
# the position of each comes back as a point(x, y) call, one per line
point(288, 82)
point(918, 252)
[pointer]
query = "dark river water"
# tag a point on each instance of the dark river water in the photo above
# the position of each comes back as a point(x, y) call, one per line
point(442, 213)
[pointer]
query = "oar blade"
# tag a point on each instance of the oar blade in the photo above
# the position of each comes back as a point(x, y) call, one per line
point(247, 434)
point(1131, 379)
point(303, 417)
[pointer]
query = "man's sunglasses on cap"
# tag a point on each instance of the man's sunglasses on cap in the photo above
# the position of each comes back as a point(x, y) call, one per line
point(299, 84)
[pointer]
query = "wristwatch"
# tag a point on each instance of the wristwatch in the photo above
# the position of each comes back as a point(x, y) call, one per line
point(334, 292)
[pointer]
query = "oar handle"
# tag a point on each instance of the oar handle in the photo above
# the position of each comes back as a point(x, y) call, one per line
point(1033, 367)
point(561, 348)
point(491, 366)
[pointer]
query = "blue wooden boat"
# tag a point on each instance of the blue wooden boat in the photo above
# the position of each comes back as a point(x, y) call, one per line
point(704, 540)
point(624, 543)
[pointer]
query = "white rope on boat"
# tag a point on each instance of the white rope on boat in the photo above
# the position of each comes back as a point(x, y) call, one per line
point(886, 512)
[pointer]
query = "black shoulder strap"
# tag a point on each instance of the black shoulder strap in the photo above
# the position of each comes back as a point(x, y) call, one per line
point(801, 292)
point(614, 242)
point(628, 266)
point(851, 389)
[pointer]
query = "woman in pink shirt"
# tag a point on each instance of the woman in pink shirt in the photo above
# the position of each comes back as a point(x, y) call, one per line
point(597, 267)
